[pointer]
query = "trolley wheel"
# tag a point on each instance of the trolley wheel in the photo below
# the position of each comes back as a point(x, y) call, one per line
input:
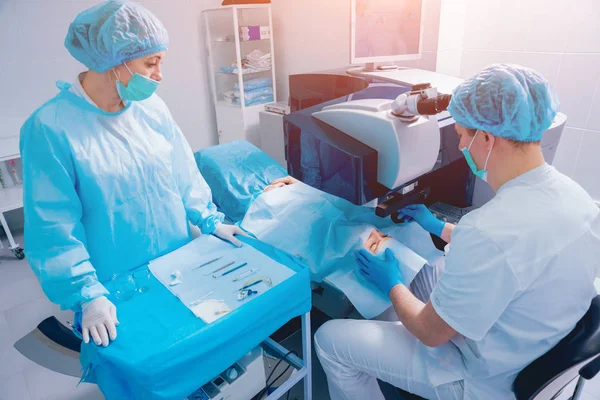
point(19, 253)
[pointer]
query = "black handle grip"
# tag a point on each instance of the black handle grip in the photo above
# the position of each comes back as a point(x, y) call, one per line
point(591, 369)
point(434, 106)
point(397, 202)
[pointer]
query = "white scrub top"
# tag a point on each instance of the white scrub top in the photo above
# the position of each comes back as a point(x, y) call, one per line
point(519, 276)
point(77, 88)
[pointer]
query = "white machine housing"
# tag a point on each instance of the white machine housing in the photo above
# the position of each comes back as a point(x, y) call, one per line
point(405, 150)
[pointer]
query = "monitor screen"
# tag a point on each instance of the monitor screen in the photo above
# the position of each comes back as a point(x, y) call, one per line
point(386, 30)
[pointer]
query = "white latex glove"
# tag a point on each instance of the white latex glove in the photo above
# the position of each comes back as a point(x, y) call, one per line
point(99, 318)
point(227, 232)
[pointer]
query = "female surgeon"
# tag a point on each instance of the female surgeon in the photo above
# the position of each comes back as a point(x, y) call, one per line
point(109, 180)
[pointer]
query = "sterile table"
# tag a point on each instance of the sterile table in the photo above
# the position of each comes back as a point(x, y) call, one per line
point(164, 352)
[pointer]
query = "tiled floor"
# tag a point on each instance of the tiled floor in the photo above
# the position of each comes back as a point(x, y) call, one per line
point(23, 305)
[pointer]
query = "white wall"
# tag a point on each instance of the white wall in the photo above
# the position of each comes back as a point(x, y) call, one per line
point(32, 34)
point(561, 40)
point(186, 87)
point(451, 37)
point(310, 35)
point(314, 35)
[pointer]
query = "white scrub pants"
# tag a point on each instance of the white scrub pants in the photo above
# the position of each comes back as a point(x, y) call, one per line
point(355, 353)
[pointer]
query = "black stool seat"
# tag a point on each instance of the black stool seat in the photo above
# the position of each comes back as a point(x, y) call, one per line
point(582, 344)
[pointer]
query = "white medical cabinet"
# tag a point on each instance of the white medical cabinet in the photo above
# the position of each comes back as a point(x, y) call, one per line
point(241, 66)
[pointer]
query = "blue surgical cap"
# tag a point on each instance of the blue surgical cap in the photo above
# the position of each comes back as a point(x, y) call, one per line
point(508, 101)
point(114, 32)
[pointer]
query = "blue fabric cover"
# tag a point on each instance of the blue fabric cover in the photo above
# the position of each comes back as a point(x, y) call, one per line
point(164, 352)
point(237, 172)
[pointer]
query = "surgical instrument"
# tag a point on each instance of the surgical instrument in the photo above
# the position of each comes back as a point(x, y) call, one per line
point(244, 294)
point(220, 268)
point(251, 284)
point(75, 330)
point(231, 270)
point(245, 274)
point(207, 263)
point(196, 302)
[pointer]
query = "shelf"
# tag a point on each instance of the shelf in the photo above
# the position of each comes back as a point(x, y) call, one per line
point(238, 121)
point(244, 73)
point(224, 103)
point(241, 41)
point(237, 7)
point(227, 104)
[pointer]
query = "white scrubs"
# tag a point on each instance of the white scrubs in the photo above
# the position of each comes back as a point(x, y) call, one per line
point(77, 88)
point(518, 277)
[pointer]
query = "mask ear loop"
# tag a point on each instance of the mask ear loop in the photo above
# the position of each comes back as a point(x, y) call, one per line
point(126, 66)
point(118, 80)
point(473, 140)
point(489, 153)
point(116, 74)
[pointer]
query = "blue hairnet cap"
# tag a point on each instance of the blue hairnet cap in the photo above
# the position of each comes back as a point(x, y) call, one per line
point(506, 100)
point(114, 32)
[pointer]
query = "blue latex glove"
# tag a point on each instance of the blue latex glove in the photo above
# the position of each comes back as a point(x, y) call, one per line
point(383, 273)
point(422, 216)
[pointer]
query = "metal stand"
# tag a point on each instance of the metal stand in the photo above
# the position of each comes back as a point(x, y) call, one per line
point(304, 366)
point(11, 240)
point(578, 389)
point(11, 199)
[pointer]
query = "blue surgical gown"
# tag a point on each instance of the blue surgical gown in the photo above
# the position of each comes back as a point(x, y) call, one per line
point(106, 192)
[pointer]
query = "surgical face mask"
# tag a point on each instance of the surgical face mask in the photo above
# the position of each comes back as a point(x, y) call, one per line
point(482, 173)
point(139, 87)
